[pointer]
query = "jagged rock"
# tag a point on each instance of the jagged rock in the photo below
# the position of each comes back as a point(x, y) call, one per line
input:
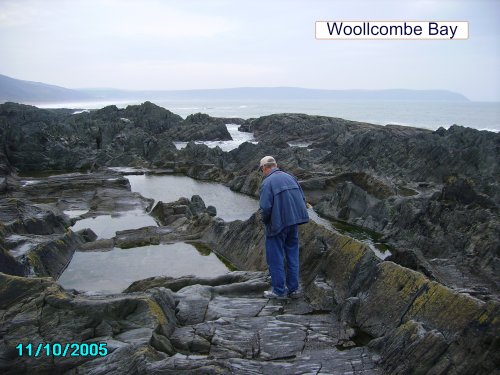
point(50, 258)
point(200, 126)
point(168, 213)
point(226, 318)
point(98, 245)
point(197, 205)
point(10, 266)
point(175, 284)
point(212, 211)
point(140, 237)
point(241, 242)
point(409, 259)
point(37, 235)
point(87, 234)
point(37, 239)
point(3, 184)
point(462, 191)
point(434, 193)
point(20, 217)
point(41, 139)
point(455, 223)
point(353, 204)
point(192, 210)
point(103, 192)
point(39, 311)
point(423, 318)
point(384, 300)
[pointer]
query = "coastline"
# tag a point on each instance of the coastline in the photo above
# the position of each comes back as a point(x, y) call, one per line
point(434, 195)
point(421, 114)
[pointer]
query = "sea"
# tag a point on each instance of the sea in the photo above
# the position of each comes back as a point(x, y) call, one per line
point(428, 115)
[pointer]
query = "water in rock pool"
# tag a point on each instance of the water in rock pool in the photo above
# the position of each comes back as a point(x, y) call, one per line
point(370, 238)
point(112, 271)
point(106, 226)
point(230, 205)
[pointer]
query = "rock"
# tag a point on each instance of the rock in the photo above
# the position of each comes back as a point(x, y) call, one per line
point(197, 206)
point(140, 237)
point(36, 234)
point(33, 308)
point(10, 266)
point(87, 234)
point(176, 284)
point(201, 127)
point(407, 302)
point(52, 257)
point(212, 211)
point(462, 191)
point(38, 139)
point(193, 212)
point(18, 216)
point(36, 239)
point(383, 299)
point(249, 184)
point(433, 195)
point(409, 259)
point(411, 222)
point(353, 204)
point(167, 213)
point(99, 245)
point(100, 193)
point(241, 242)
point(3, 184)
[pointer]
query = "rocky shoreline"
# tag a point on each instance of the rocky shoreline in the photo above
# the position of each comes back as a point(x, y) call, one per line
point(433, 196)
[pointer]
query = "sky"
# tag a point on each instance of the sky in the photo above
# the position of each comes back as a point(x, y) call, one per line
point(189, 44)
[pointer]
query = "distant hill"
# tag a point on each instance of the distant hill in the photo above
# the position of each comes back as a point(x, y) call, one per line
point(34, 92)
point(280, 93)
point(16, 90)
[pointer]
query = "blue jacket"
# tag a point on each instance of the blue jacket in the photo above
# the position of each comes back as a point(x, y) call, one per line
point(282, 202)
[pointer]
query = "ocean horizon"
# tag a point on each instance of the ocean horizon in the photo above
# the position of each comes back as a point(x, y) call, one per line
point(428, 115)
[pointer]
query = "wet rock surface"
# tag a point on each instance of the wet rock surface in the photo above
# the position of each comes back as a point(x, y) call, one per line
point(433, 196)
point(36, 235)
point(39, 311)
point(225, 328)
point(418, 325)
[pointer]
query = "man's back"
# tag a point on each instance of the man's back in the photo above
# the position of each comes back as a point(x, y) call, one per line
point(282, 202)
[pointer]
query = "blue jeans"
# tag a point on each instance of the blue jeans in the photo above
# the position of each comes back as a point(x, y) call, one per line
point(285, 245)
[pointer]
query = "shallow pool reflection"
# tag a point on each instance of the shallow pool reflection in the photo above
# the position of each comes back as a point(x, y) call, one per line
point(106, 226)
point(112, 271)
point(230, 205)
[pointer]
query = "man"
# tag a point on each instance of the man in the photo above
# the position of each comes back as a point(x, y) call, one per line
point(283, 208)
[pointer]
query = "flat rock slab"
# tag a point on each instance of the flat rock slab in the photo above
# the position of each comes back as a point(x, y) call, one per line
point(211, 326)
point(241, 332)
point(101, 193)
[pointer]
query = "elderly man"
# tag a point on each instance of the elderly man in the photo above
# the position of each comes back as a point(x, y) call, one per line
point(283, 208)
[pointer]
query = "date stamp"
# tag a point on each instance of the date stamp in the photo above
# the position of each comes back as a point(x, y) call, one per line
point(56, 349)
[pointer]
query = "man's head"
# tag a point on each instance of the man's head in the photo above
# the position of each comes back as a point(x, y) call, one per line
point(267, 163)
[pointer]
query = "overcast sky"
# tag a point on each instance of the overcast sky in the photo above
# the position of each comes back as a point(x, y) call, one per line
point(188, 44)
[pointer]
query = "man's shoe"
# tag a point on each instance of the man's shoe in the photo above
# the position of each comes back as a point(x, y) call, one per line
point(295, 294)
point(270, 294)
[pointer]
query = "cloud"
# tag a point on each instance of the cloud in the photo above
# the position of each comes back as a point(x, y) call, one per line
point(159, 20)
point(112, 18)
point(156, 44)
point(15, 14)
